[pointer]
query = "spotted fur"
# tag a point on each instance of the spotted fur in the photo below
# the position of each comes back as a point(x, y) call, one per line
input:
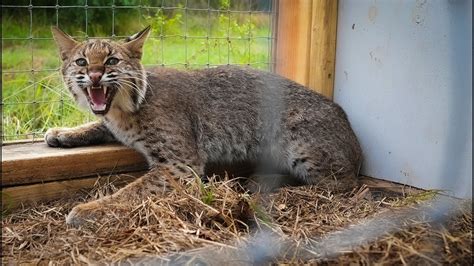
point(182, 120)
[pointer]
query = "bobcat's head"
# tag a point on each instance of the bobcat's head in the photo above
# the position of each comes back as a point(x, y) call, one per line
point(103, 74)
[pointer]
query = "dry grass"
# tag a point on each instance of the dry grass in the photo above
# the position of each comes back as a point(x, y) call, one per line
point(218, 219)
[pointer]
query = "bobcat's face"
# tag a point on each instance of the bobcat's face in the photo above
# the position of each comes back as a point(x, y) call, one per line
point(102, 74)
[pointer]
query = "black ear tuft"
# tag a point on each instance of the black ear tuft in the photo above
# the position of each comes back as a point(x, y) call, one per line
point(136, 41)
point(138, 34)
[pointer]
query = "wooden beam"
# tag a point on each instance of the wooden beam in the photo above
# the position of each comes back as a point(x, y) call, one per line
point(323, 46)
point(306, 43)
point(13, 197)
point(36, 162)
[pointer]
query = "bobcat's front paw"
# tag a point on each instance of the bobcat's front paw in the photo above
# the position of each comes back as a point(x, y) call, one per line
point(57, 137)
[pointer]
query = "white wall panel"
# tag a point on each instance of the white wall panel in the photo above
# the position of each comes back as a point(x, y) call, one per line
point(404, 76)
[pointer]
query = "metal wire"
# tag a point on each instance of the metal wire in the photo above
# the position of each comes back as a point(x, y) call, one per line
point(36, 71)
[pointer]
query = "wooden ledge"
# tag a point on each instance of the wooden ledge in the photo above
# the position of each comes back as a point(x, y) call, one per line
point(33, 172)
point(33, 163)
point(15, 196)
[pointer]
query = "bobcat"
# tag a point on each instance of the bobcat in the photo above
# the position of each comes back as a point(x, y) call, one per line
point(182, 121)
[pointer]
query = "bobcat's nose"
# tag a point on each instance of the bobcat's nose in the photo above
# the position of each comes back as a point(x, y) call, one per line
point(95, 77)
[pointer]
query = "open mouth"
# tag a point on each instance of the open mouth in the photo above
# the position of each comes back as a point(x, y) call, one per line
point(100, 98)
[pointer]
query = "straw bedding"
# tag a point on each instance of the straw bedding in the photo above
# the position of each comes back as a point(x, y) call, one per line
point(223, 215)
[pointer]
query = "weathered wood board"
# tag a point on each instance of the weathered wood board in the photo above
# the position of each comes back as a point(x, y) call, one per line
point(37, 163)
point(13, 197)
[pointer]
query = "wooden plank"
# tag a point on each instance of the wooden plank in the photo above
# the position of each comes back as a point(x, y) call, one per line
point(292, 40)
point(36, 162)
point(13, 197)
point(21, 141)
point(323, 46)
point(376, 183)
point(306, 43)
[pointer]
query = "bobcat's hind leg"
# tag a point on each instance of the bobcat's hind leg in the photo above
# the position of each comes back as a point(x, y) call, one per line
point(84, 135)
point(155, 183)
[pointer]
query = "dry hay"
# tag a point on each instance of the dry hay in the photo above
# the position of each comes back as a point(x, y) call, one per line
point(220, 215)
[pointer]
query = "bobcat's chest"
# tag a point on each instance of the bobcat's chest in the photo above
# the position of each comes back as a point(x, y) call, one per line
point(129, 134)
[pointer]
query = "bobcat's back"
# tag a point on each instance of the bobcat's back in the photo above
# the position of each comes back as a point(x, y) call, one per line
point(234, 114)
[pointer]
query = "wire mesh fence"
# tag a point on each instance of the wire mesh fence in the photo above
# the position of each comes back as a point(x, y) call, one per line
point(186, 34)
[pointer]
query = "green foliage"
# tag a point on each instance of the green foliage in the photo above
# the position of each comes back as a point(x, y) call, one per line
point(224, 4)
point(208, 196)
point(230, 39)
point(170, 24)
point(34, 107)
point(206, 191)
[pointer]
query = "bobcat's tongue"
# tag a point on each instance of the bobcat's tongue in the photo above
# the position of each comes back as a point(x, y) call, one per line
point(98, 98)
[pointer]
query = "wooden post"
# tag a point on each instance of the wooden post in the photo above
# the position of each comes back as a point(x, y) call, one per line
point(306, 43)
point(292, 44)
point(323, 46)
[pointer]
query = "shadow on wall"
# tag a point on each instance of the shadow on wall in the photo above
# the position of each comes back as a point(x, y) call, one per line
point(459, 131)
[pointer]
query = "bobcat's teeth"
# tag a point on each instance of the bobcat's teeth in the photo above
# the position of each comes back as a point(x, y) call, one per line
point(89, 91)
point(105, 90)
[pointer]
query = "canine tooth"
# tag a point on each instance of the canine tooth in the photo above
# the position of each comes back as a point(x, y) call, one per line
point(105, 90)
point(89, 91)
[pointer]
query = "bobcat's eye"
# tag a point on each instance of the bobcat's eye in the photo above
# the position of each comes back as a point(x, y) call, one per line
point(81, 62)
point(112, 61)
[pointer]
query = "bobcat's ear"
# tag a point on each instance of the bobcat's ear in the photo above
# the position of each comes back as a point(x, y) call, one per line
point(135, 42)
point(65, 42)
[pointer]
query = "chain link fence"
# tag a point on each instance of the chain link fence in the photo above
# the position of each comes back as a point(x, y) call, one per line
point(186, 34)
